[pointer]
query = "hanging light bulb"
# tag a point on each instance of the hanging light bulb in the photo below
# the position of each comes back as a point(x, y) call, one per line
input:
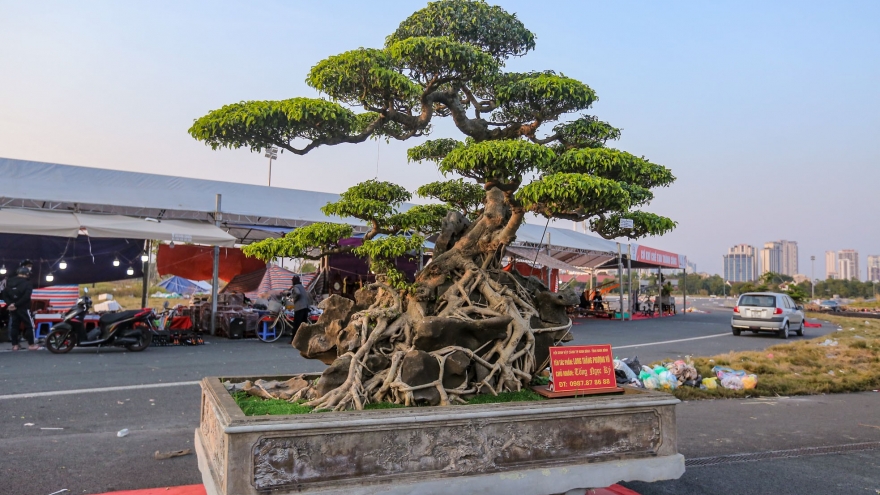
point(50, 277)
point(130, 271)
point(62, 265)
point(116, 262)
point(3, 270)
point(145, 257)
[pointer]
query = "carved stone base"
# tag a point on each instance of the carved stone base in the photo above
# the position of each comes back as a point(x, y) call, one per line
point(526, 448)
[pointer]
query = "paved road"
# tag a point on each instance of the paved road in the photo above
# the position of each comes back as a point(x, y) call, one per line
point(697, 334)
point(86, 456)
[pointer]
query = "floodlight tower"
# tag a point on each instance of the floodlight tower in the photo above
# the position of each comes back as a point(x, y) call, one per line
point(812, 277)
point(271, 154)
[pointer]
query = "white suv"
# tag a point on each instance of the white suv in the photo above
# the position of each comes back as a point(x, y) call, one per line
point(767, 312)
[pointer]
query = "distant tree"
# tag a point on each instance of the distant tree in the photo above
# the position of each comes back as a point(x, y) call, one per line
point(797, 293)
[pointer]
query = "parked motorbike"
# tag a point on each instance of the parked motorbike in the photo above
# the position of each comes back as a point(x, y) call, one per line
point(130, 329)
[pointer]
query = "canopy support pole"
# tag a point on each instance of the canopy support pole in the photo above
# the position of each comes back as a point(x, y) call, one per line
point(629, 281)
point(145, 267)
point(660, 289)
point(215, 278)
point(684, 289)
point(620, 305)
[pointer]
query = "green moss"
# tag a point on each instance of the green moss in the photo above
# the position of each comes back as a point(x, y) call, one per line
point(521, 396)
point(256, 406)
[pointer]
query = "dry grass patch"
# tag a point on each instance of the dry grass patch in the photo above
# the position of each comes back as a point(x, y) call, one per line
point(805, 367)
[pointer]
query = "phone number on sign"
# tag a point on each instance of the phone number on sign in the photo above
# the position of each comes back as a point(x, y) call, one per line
point(585, 383)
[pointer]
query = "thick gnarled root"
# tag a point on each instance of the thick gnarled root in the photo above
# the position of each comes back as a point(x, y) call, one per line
point(392, 359)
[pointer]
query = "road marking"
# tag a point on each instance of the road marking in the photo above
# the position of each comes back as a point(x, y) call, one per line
point(672, 341)
point(95, 390)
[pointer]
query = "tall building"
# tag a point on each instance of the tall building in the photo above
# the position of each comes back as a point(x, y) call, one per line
point(830, 264)
point(873, 267)
point(741, 264)
point(771, 258)
point(780, 257)
point(853, 256)
point(846, 269)
point(789, 258)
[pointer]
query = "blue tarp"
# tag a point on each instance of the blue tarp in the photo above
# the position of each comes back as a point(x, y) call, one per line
point(184, 286)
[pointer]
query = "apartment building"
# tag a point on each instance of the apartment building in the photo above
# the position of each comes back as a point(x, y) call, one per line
point(874, 267)
point(741, 264)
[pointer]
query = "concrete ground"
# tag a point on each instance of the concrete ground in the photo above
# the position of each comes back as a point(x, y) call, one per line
point(59, 415)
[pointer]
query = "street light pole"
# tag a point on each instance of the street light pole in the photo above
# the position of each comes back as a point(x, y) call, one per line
point(812, 277)
point(271, 154)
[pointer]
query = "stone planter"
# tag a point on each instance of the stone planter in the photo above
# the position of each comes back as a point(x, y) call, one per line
point(526, 448)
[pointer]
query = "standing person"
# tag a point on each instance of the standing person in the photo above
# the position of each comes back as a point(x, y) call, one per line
point(17, 295)
point(301, 302)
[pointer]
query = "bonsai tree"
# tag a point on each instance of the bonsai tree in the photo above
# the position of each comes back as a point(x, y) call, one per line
point(465, 326)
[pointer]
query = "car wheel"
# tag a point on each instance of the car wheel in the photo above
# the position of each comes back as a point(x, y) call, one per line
point(736, 331)
point(800, 330)
point(783, 334)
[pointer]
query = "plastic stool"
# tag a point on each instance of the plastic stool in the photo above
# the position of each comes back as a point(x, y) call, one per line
point(42, 330)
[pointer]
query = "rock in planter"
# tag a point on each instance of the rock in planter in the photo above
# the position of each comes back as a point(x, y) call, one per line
point(435, 333)
point(321, 339)
point(455, 370)
point(420, 368)
point(334, 376)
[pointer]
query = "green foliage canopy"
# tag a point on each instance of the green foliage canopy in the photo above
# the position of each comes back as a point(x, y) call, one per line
point(447, 60)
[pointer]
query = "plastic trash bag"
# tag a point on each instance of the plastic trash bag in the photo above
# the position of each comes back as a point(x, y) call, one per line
point(668, 381)
point(649, 379)
point(710, 383)
point(732, 382)
point(749, 381)
point(629, 376)
point(723, 370)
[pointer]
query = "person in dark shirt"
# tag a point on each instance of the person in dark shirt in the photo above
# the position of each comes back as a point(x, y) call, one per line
point(301, 301)
point(597, 301)
point(17, 296)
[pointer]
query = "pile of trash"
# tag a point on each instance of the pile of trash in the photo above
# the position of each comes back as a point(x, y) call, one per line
point(733, 379)
point(667, 376)
point(680, 373)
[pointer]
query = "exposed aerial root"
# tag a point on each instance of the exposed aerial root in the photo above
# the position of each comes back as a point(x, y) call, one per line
point(386, 334)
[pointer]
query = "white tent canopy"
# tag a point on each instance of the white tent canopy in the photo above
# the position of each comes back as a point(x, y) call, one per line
point(567, 246)
point(34, 222)
point(52, 186)
point(69, 224)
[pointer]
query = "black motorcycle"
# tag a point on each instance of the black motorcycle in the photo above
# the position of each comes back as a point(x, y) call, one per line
point(130, 329)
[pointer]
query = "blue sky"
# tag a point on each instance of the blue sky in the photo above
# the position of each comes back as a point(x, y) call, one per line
point(767, 112)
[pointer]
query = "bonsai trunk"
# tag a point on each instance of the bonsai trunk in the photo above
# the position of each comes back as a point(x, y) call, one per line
point(466, 327)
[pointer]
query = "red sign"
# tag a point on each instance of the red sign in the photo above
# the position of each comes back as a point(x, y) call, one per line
point(581, 367)
point(658, 257)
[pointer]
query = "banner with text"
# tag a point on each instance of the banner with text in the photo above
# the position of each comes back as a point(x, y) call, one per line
point(660, 258)
point(581, 367)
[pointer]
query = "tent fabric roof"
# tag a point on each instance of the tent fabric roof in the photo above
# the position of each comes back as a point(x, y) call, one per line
point(55, 186)
point(18, 221)
point(585, 251)
point(69, 224)
point(530, 235)
point(184, 285)
point(258, 282)
point(537, 256)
